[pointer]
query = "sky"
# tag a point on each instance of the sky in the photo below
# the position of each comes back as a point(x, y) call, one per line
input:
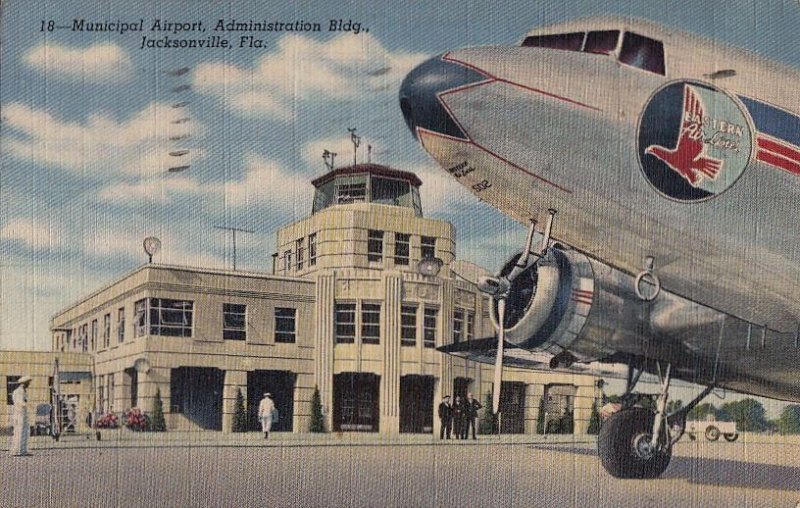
point(86, 121)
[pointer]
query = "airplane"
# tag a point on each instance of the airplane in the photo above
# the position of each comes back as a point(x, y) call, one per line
point(665, 168)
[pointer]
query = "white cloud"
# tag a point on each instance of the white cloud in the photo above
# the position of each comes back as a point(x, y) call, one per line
point(99, 63)
point(301, 68)
point(32, 232)
point(100, 146)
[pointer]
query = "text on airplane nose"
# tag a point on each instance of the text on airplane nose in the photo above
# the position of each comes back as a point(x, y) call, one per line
point(420, 90)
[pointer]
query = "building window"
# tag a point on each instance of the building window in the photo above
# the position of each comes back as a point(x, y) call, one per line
point(111, 392)
point(428, 247)
point(285, 324)
point(345, 323)
point(371, 323)
point(429, 327)
point(11, 385)
point(94, 336)
point(107, 330)
point(234, 321)
point(300, 252)
point(375, 246)
point(287, 261)
point(312, 249)
point(351, 193)
point(101, 393)
point(401, 248)
point(140, 318)
point(408, 325)
point(458, 326)
point(171, 318)
point(121, 324)
point(83, 336)
point(470, 326)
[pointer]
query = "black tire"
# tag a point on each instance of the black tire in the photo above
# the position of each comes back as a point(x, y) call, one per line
point(97, 435)
point(712, 433)
point(731, 437)
point(616, 445)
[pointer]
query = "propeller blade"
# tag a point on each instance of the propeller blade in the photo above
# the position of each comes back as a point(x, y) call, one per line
point(498, 362)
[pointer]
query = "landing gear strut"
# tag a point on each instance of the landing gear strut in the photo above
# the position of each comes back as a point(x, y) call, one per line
point(637, 442)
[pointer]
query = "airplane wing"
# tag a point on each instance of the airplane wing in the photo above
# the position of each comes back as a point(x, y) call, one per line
point(484, 350)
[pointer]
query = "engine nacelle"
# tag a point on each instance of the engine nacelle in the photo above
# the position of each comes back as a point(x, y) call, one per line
point(569, 304)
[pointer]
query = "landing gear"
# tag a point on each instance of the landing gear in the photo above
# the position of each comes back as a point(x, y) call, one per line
point(637, 442)
point(625, 449)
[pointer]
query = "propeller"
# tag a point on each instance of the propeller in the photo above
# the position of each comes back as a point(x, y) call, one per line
point(499, 288)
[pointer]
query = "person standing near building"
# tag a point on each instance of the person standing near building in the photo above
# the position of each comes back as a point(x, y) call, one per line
point(458, 417)
point(446, 417)
point(19, 442)
point(265, 410)
point(471, 407)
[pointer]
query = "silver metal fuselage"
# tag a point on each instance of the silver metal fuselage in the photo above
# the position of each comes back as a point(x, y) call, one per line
point(558, 129)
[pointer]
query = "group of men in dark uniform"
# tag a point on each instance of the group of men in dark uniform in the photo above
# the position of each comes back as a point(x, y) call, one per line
point(458, 417)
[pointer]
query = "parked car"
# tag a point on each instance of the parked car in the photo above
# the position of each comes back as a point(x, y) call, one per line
point(712, 429)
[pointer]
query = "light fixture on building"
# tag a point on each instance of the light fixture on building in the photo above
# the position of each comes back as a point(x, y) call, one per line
point(142, 366)
point(429, 266)
point(151, 245)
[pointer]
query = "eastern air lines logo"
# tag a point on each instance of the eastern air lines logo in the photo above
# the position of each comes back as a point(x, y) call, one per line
point(694, 142)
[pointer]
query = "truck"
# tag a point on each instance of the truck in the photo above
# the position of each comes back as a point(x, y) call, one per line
point(712, 429)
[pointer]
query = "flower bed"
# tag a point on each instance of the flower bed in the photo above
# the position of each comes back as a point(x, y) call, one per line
point(108, 421)
point(136, 420)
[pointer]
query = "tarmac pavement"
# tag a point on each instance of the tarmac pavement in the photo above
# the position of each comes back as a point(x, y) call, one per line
point(209, 469)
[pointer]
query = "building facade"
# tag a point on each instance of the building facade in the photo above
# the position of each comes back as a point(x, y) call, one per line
point(75, 384)
point(345, 311)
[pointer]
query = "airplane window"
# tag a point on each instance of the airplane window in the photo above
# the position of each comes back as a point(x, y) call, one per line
point(602, 42)
point(569, 42)
point(642, 52)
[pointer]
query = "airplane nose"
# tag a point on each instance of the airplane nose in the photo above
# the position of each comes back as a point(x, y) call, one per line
point(420, 91)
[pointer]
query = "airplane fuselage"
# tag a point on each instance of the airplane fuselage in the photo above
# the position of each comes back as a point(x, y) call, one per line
point(549, 128)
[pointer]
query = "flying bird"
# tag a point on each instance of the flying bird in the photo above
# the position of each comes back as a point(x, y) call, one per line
point(688, 157)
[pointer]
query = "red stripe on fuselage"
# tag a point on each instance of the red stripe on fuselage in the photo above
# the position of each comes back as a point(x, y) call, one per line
point(778, 161)
point(784, 150)
point(447, 57)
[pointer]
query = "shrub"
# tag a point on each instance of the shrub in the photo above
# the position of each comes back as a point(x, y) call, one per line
point(158, 424)
point(317, 418)
point(239, 413)
point(488, 420)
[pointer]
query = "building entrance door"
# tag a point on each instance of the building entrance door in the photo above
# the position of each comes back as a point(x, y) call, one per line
point(461, 387)
point(512, 408)
point(416, 404)
point(280, 383)
point(196, 392)
point(355, 402)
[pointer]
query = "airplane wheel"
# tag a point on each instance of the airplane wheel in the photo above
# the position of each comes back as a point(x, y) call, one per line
point(712, 433)
point(731, 437)
point(622, 445)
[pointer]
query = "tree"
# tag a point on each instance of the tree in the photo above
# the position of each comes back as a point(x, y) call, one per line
point(317, 423)
point(488, 421)
point(674, 405)
point(748, 414)
point(701, 411)
point(239, 413)
point(594, 421)
point(540, 419)
point(157, 422)
point(789, 421)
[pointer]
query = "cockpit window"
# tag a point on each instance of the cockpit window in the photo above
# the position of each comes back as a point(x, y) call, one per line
point(603, 42)
point(642, 52)
point(569, 42)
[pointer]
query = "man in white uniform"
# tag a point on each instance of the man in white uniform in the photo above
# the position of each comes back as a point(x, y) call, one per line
point(19, 442)
point(265, 409)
